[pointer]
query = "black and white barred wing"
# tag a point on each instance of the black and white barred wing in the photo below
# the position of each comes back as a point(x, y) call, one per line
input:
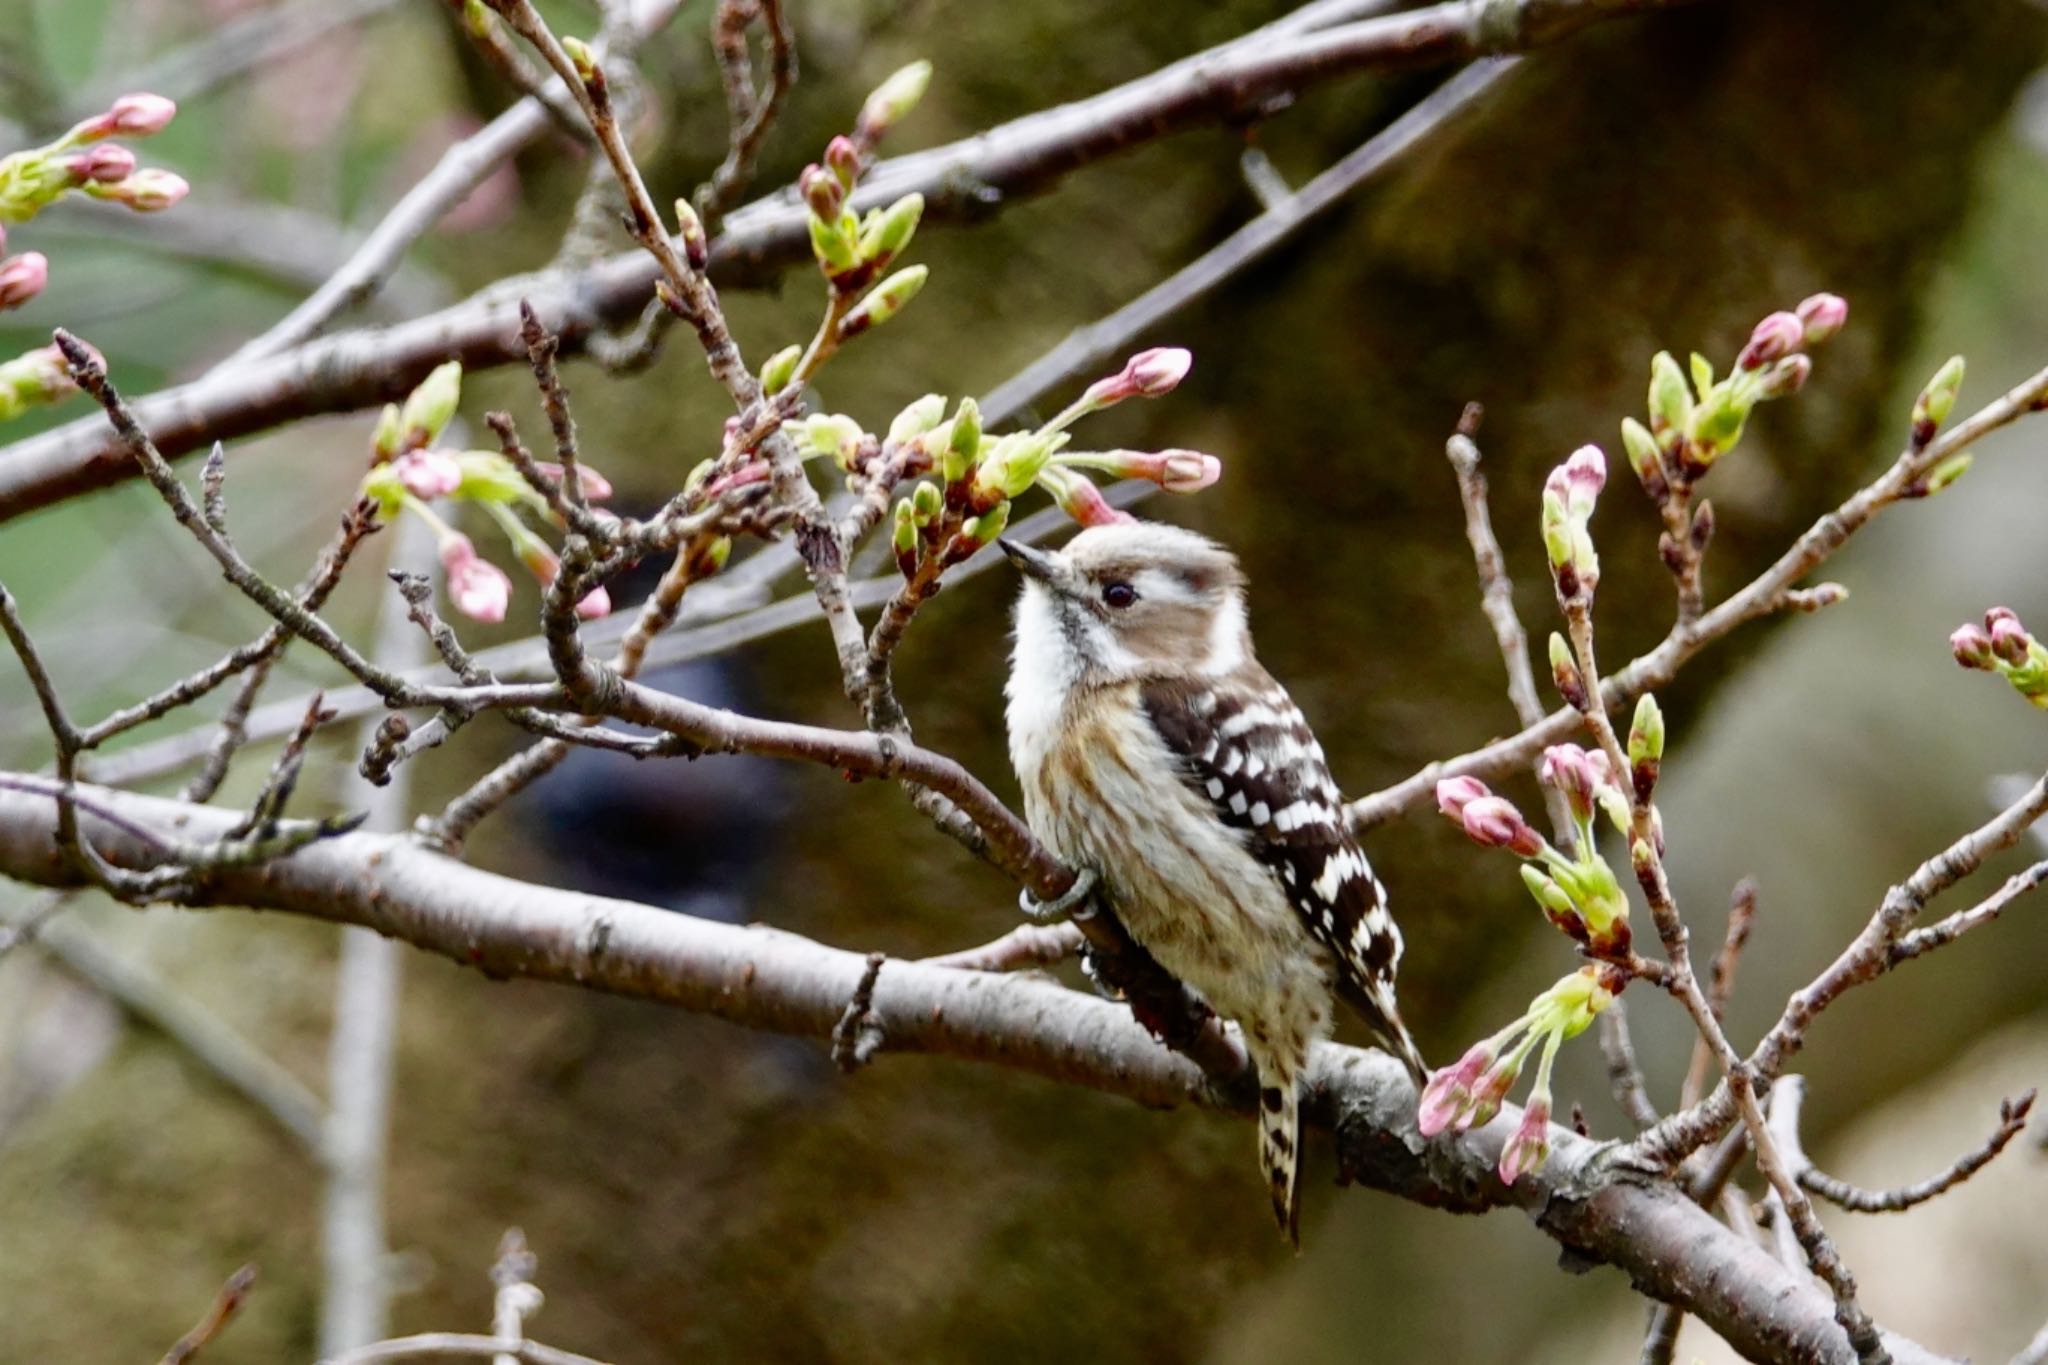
point(1248, 749)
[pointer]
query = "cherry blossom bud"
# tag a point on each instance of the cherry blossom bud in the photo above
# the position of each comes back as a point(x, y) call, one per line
point(1776, 337)
point(428, 474)
point(147, 191)
point(917, 419)
point(596, 604)
point(1013, 463)
point(780, 369)
point(430, 406)
point(1645, 458)
point(2009, 639)
point(1493, 822)
point(889, 298)
point(963, 442)
point(1646, 745)
point(927, 504)
point(982, 530)
point(1080, 499)
point(903, 537)
point(1177, 471)
point(892, 101)
point(1529, 1147)
point(1564, 674)
point(33, 377)
point(104, 164)
point(1941, 476)
point(689, 227)
point(882, 240)
point(823, 192)
point(1937, 400)
point(139, 115)
point(1448, 1091)
point(1148, 374)
point(1786, 377)
point(1584, 474)
point(1670, 401)
point(842, 158)
point(384, 438)
point(1555, 903)
point(22, 278)
point(1573, 772)
point(1972, 647)
point(583, 59)
point(1822, 315)
point(1453, 794)
point(834, 241)
point(476, 586)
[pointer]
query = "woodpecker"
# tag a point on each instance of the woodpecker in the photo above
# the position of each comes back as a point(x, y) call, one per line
point(1162, 761)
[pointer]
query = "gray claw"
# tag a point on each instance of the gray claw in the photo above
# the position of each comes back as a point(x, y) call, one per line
point(1053, 911)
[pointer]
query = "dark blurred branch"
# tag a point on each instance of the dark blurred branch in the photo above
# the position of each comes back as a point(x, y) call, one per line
point(768, 979)
point(964, 180)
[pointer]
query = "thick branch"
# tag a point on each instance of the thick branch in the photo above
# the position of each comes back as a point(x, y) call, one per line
point(767, 979)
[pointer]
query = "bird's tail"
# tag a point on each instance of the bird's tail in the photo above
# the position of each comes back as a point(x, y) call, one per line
point(1280, 1137)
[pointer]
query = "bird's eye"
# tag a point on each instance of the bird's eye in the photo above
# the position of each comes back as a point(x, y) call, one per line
point(1119, 594)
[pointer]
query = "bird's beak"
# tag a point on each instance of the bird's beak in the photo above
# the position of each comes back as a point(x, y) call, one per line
point(1031, 561)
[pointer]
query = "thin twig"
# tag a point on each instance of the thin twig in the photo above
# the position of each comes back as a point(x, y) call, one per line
point(1789, 1093)
point(1026, 946)
point(224, 1307)
point(1721, 984)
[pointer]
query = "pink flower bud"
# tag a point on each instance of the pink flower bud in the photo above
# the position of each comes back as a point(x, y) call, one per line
point(822, 191)
point(1529, 1148)
point(1080, 499)
point(1577, 774)
point(105, 164)
point(843, 159)
point(595, 485)
point(429, 473)
point(148, 190)
point(22, 278)
point(1776, 337)
point(139, 115)
point(1148, 374)
point(1971, 645)
point(1493, 821)
point(1822, 316)
point(1787, 377)
point(596, 603)
point(476, 586)
point(1448, 1095)
point(1453, 794)
point(2009, 639)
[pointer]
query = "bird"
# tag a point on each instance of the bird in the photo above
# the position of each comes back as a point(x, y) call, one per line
point(1160, 760)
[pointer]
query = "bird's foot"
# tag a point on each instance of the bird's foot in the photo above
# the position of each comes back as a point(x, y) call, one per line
point(1061, 906)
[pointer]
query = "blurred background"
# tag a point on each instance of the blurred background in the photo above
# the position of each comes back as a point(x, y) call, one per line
point(699, 1191)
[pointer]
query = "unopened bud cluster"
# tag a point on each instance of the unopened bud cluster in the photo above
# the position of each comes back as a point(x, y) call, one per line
point(854, 250)
point(409, 471)
point(2005, 647)
point(1468, 1093)
point(82, 160)
point(1578, 893)
point(1693, 425)
point(974, 476)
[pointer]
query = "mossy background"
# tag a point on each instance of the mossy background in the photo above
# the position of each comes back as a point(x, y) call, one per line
point(700, 1192)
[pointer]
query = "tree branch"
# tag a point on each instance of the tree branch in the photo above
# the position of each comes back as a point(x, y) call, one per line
point(960, 182)
point(768, 979)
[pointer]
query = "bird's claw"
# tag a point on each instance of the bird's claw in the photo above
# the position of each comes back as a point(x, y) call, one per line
point(1062, 905)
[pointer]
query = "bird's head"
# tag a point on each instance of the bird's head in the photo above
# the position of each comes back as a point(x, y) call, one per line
point(1130, 601)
